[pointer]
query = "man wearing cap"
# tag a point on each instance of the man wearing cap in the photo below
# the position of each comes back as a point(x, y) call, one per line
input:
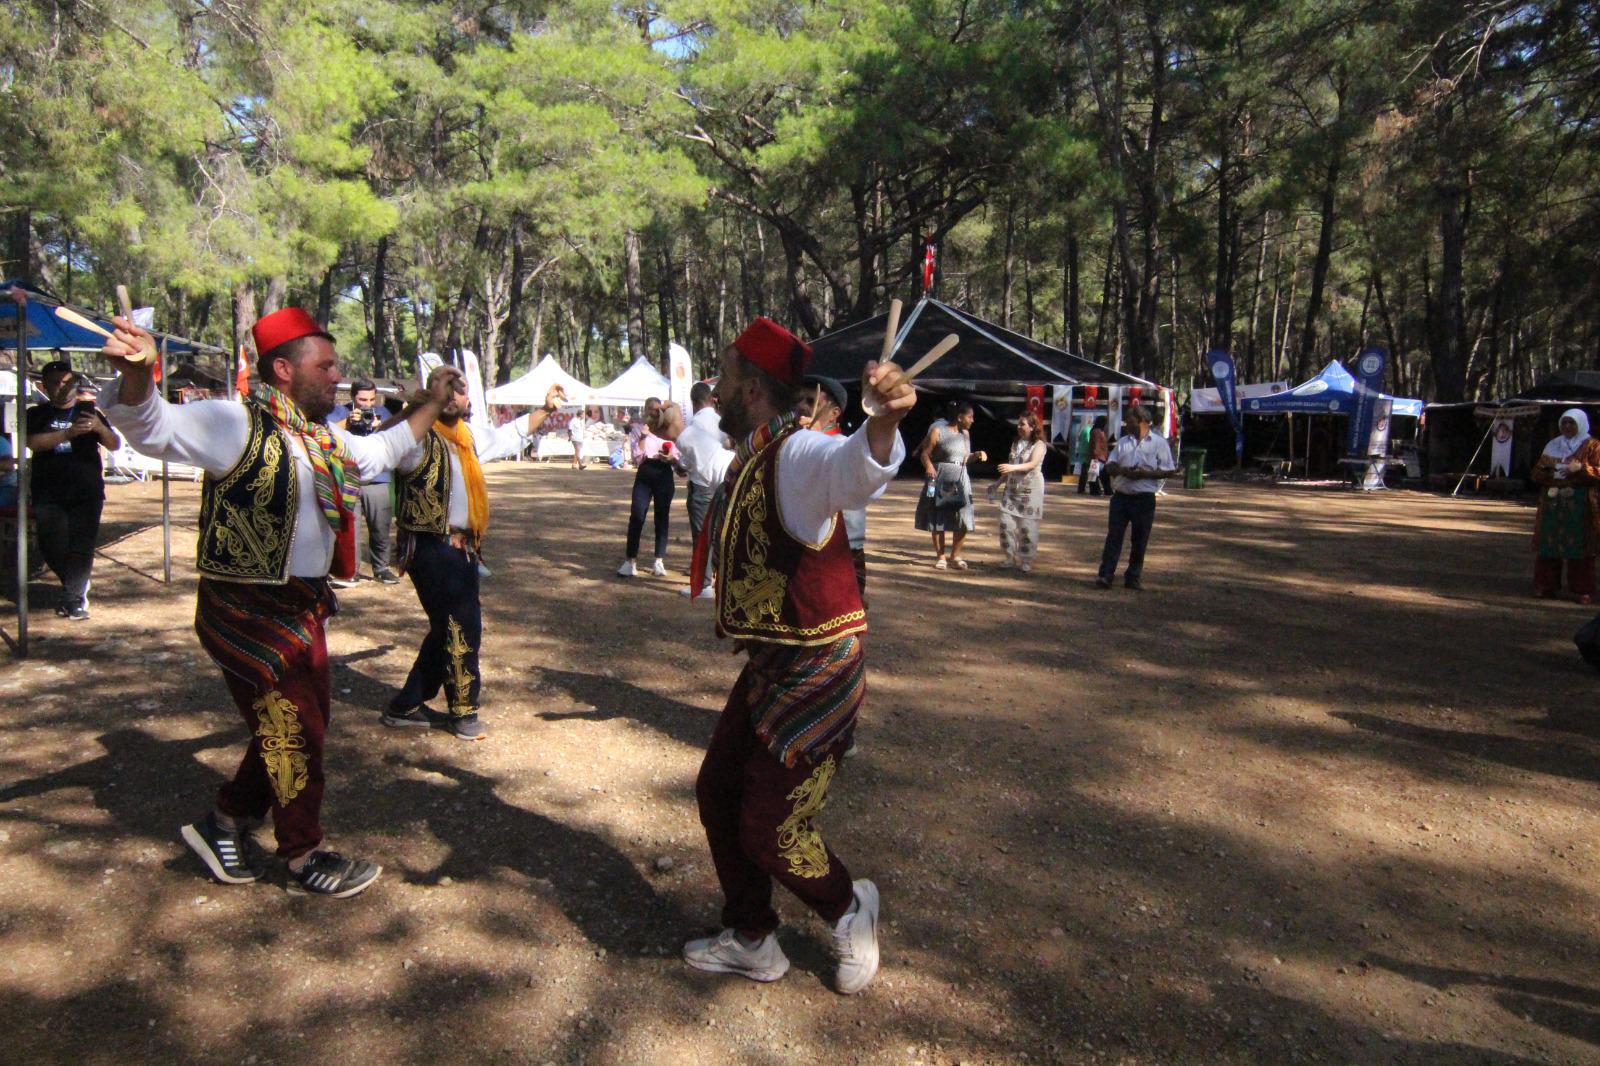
point(277, 515)
point(821, 407)
point(703, 449)
point(443, 514)
point(1138, 467)
point(786, 592)
point(67, 485)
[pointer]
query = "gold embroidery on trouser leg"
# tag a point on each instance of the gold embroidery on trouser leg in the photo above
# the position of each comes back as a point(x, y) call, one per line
point(460, 677)
point(282, 746)
point(798, 840)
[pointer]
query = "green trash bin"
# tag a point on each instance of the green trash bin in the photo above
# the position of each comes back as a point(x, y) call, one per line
point(1194, 468)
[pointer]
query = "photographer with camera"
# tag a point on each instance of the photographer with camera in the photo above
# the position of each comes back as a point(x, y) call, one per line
point(377, 500)
point(67, 487)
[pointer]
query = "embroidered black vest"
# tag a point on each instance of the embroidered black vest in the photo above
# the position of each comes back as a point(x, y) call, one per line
point(424, 493)
point(247, 516)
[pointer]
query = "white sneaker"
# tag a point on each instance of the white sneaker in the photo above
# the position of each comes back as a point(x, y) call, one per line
point(724, 953)
point(685, 591)
point(855, 941)
point(707, 593)
point(627, 569)
point(660, 569)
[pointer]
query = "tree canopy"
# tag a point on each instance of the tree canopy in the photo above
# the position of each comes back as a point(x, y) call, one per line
point(1136, 181)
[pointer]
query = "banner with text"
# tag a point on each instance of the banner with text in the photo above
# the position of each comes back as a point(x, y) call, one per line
point(1370, 365)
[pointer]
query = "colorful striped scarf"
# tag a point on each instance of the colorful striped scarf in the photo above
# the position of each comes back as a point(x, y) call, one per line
point(802, 700)
point(335, 476)
point(709, 532)
point(258, 633)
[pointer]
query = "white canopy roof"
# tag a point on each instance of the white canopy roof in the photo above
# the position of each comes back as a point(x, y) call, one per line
point(531, 388)
point(633, 386)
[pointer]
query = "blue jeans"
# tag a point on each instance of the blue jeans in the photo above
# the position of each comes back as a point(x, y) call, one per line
point(1139, 510)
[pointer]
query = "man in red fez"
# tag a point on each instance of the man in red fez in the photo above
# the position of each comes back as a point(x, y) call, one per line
point(786, 592)
point(276, 515)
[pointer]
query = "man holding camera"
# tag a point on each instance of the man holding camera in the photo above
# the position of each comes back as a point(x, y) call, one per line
point(68, 487)
point(377, 499)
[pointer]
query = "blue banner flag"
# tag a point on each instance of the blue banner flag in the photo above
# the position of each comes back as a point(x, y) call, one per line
point(1370, 365)
point(1221, 366)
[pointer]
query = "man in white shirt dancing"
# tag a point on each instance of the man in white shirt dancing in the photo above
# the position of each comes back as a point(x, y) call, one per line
point(443, 514)
point(1138, 466)
point(786, 592)
point(277, 513)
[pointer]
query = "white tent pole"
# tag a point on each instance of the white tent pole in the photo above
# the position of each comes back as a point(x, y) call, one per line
point(19, 454)
point(166, 480)
point(1475, 454)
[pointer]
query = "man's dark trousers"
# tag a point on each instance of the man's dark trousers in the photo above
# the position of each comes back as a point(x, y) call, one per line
point(1128, 508)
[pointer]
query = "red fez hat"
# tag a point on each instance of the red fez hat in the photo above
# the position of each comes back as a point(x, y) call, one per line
point(281, 327)
point(775, 350)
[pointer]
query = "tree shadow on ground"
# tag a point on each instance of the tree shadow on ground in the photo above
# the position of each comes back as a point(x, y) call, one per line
point(610, 699)
point(1532, 756)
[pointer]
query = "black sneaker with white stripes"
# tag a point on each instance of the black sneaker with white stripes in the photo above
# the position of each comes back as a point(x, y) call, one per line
point(327, 873)
point(230, 855)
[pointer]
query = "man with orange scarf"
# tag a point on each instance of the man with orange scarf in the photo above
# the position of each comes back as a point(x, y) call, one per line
point(443, 513)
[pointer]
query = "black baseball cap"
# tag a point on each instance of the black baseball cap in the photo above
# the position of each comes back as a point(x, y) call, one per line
point(828, 385)
point(55, 366)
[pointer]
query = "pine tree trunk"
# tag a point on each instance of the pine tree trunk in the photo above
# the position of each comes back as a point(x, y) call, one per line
point(638, 343)
point(1319, 266)
point(379, 298)
point(1073, 326)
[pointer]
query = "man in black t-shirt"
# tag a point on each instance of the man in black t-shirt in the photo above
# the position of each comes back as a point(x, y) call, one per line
point(67, 487)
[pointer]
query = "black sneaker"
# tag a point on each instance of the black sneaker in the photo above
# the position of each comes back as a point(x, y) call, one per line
point(327, 873)
point(387, 576)
point(231, 856)
point(79, 612)
point(1102, 582)
point(463, 726)
point(415, 717)
point(1133, 583)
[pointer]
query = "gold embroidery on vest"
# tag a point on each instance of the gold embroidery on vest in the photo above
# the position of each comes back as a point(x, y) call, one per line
point(282, 746)
point(757, 592)
point(424, 505)
point(249, 540)
point(460, 677)
point(798, 840)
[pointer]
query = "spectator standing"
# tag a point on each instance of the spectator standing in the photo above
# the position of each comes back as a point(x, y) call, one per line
point(1139, 465)
point(653, 483)
point(946, 502)
point(365, 417)
point(67, 488)
point(1021, 488)
point(1093, 470)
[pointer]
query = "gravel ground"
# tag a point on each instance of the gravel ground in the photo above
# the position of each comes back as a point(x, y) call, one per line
point(1323, 792)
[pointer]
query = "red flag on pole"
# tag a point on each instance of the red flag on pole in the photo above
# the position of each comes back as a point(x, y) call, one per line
point(927, 268)
point(241, 376)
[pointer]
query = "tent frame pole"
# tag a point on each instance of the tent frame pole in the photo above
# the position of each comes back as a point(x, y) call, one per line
point(1465, 473)
point(19, 454)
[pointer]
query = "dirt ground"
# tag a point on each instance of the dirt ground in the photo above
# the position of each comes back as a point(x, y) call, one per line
point(1324, 792)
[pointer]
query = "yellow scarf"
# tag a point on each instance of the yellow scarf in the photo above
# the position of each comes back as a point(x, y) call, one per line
point(471, 475)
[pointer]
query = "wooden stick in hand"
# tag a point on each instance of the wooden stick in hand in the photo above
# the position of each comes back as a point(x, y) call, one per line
point(891, 328)
point(869, 395)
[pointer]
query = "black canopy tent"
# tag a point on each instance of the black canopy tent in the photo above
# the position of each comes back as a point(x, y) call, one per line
point(993, 366)
point(1453, 430)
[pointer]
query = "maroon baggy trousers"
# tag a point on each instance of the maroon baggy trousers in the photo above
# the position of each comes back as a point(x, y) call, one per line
point(759, 819)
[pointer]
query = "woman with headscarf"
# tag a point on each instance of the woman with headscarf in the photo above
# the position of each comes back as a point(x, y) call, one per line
point(1567, 526)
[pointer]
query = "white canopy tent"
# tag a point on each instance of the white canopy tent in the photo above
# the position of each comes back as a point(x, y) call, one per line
point(633, 386)
point(531, 388)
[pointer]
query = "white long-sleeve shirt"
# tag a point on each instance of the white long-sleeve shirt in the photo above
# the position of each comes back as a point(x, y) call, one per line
point(700, 446)
point(820, 475)
point(496, 444)
point(1131, 453)
point(211, 435)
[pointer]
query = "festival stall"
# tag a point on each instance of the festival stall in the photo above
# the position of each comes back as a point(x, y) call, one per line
point(1495, 443)
point(1000, 371)
point(633, 386)
point(530, 389)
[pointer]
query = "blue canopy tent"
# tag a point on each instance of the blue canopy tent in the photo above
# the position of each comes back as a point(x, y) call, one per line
point(1332, 392)
point(39, 327)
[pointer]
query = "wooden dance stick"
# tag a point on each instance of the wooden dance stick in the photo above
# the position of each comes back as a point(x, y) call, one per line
point(125, 302)
point(871, 397)
point(889, 330)
point(67, 314)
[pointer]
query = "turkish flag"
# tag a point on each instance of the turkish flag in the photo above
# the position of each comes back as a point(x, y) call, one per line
point(241, 376)
point(927, 268)
point(1091, 395)
point(1036, 404)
